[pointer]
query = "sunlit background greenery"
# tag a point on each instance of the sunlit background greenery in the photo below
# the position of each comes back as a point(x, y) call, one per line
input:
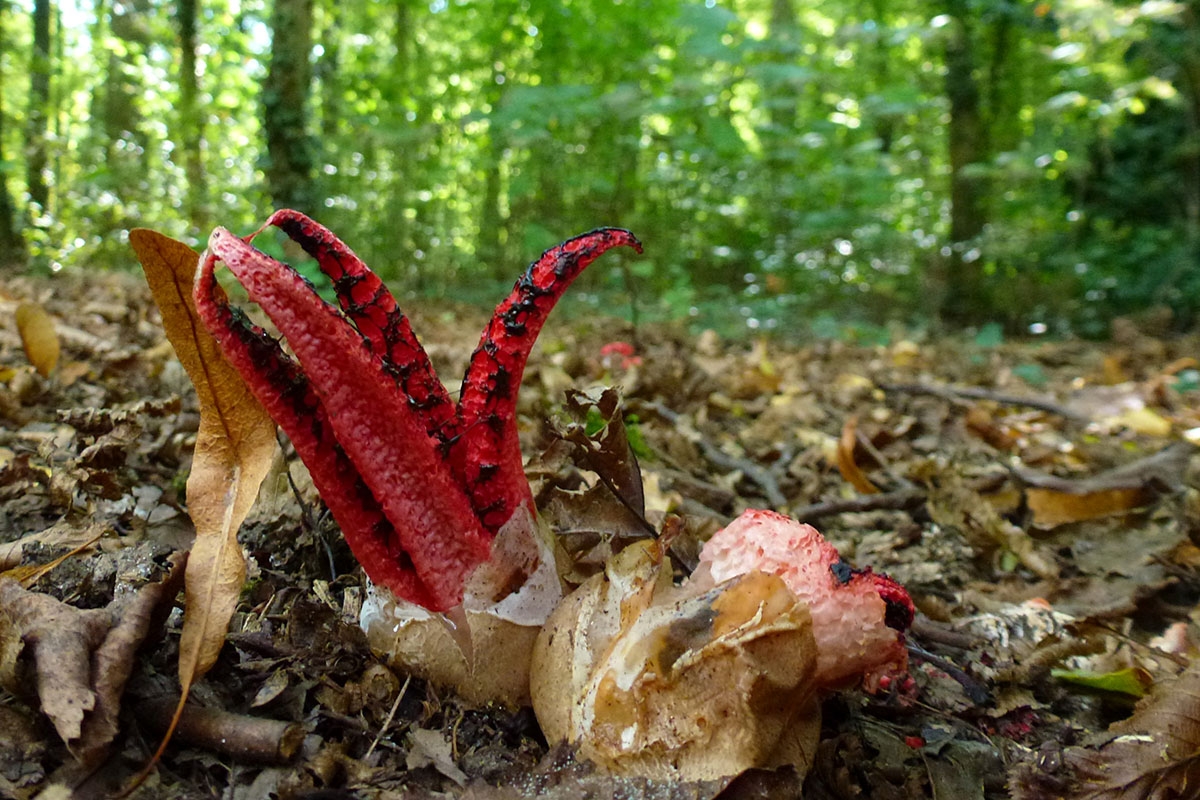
point(788, 163)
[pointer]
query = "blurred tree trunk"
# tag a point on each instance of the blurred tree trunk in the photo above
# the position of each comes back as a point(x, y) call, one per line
point(13, 253)
point(191, 121)
point(36, 119)
point(285, 99)
point(545, 207)
point(330, 146)
point(488, 241)
point(124, 140)
point(880, 58)
point(963, 300)
point(783, 114)
point(328, 73)
point(1190, 151)
point(397, 94)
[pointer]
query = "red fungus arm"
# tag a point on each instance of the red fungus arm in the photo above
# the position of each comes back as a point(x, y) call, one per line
point(382, 436)
point(373, 310)
point(489, 451)
point(277, 382)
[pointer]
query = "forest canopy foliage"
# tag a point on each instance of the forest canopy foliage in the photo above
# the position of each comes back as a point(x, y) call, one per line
point(791, 165)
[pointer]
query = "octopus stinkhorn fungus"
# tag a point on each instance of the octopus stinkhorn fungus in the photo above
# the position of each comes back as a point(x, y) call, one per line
point(722, 673)
point(430, 494)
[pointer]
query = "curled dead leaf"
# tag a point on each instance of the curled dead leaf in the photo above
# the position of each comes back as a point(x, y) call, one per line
point(38, 337)
point(1058, 501)
point(845, 459)
point(234, 449)
point(79, 659)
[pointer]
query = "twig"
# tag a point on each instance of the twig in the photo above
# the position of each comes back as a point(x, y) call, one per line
point(955, 393)
point(387, 723)
point(865, 443)
point(264, 741)
point(722, 460)
point(976, 691)
point(306, 516)
point(927, 630)
point(899, 500)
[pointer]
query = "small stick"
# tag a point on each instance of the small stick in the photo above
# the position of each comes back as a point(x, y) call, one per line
point(976, 691)
point(263, 741)
point(722, 460)
point(955, 393)
point(387, 723)
point(900, 500)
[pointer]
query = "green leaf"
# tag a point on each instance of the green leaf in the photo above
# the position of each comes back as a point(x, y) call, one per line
point(1132, 681)
point(990, 335)
point(1033, 374)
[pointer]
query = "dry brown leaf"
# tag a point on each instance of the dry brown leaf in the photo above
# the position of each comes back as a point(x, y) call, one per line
point(1155, 754)
point(62, 534)
point(952, 504)
point(432, 749)
point(82, 658)
point(1056, 501)
point(234, 448)
point(38, 337)
point(981, 423)
point(1051, 508)
point(845, 459)
point(62, 639)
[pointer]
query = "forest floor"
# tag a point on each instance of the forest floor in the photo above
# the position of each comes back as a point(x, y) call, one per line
point(1039, 499)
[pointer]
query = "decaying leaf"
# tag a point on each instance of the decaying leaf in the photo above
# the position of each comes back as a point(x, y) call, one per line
point(1133, 681)
point(592, 522)
point(38, 337)
point(849, 468)
point(62, 639)
point(1057, 501)
point(80, 658)
point(63, 535)
point(234, 449)
point(1153, 755)
point(599, 432)
point(953, 504)
point(431, 749)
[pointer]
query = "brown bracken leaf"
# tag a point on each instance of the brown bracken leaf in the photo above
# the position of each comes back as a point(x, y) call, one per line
point(38, 337)
point(234, 447)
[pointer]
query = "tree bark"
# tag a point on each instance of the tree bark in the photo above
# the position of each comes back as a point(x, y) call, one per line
point(191, 121)
point(398, 96)
point(328, 74)
point(285, 99)
point(1190, 153)
point(13, 253)
point(488, 240)
point(779, 139)
point(36, 158)
point(968, 148)
point(124, 140)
